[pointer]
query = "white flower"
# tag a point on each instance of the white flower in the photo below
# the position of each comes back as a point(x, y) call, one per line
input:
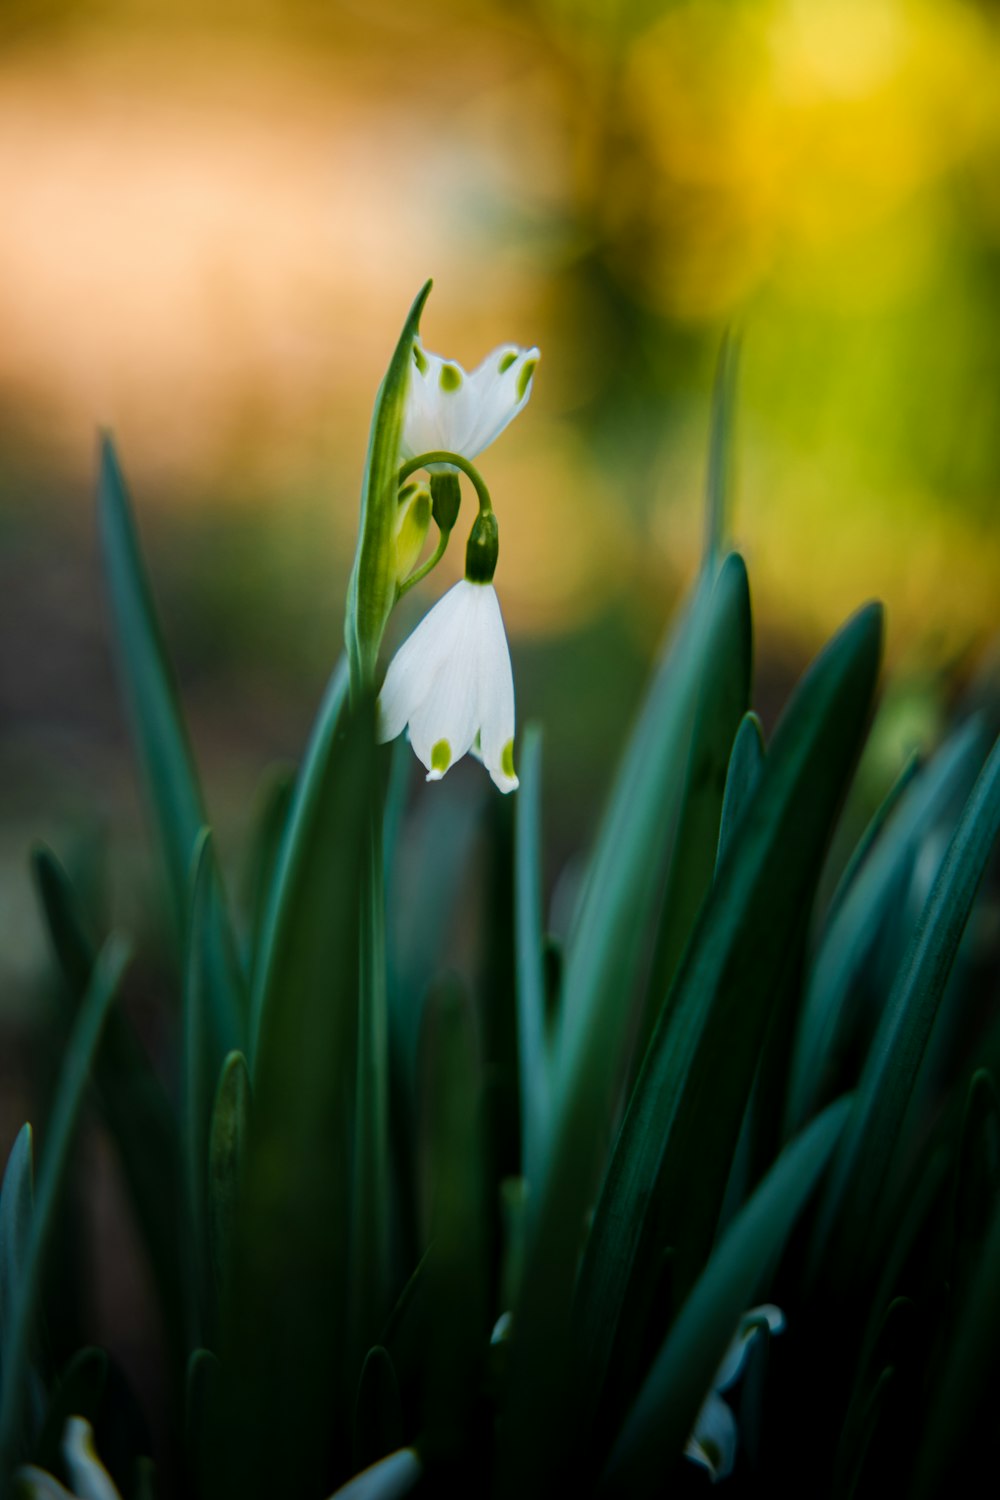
point(446, 408)
point(713, 1438)
point(389, 1479)
point(451, 683)
point(88, 1476)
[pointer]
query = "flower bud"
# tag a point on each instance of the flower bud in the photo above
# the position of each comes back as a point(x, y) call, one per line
point(482, 549)
point(413, 517)
point(446, 497)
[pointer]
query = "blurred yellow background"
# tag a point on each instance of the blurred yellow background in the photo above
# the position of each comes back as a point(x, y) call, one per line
point(214, 217)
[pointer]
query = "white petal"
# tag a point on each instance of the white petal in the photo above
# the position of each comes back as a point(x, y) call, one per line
point(495, 693)
point(89, 1477)
point(439, 412)
point(735, 1356)
point(388, 1479)
point(502, 1328)
point(499, 388)
point(713, 1439)
point(447, 718)
point(446, 408)
point(415, 666)
point(35, 1484)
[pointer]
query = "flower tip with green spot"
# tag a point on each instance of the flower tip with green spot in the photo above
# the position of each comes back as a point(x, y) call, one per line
point(451, 683)
point(449, 409)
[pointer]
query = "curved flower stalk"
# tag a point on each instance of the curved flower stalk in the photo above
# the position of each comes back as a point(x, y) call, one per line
point(464, 412)
point(714, 1437)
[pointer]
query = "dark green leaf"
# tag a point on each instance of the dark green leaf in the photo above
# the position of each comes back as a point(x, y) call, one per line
point(532, 1037)
point(295, 851)
point(227, 1149)
point(137, 1110)
point(681, 1375)
point(289, 1374)
point(667, 1177)
point(862, 912)
point(745, 765)
point(605, 949)
point(16, 1213)
point(274, 805)
point(18, 1335)
point(78, 1393)
point(853, 1196)
point(722, 700)
point(200, 1393)
point(378, 1415)
point(955, 1456)
point(370, 1207)
point(457, 1207)
point(372, 591)
point(162, 744)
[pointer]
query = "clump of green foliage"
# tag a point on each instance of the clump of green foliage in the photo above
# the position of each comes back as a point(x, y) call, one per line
point(721, 1089)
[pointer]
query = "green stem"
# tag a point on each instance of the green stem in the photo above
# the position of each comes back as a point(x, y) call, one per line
point(426, 567)
point(469, 470)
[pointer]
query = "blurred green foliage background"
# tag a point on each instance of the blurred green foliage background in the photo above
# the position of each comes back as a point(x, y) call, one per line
point(214, 217)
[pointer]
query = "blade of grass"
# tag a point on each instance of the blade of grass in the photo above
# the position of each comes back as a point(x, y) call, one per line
point(456, 1272)
point(294, 850)
point(227, 1150)
point(17, 1337)
point(667, 1176)
point(862, 912)
point(532, 1038)
point(370, 1209)
point(161, 742)
point(288, 1371)
point(723, 696)
point(720, 447)
point(745, 765)
point(16, 1209)
point(602, 961)
point(132, 1098)
point(273, 808)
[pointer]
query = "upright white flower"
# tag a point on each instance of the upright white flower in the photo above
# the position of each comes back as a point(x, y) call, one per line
point(451, 684)
point(448, 408)
point(714, 1437)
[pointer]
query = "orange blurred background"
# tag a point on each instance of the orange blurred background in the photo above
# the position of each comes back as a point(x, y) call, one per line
point(214, 218)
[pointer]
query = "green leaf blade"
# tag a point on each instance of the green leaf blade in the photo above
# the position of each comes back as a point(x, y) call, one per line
point(680, 1378)
point(372, 590)
point(533, 1045)
point(666, 1180)
point(852, 1198)
point(588, 1048)
point(18, 1335)
point(161, 740)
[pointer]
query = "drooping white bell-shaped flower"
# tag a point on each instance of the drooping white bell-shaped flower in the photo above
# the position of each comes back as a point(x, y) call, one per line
point(714, 1437)
point(88, 1476)
point(463, 412)
point(451, 685)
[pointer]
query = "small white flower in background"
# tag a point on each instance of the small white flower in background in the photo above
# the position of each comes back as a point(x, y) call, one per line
point(714, 1436)
point(88, 1476)
point(451, 684)
point(447, 408)
point(389, 1479)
